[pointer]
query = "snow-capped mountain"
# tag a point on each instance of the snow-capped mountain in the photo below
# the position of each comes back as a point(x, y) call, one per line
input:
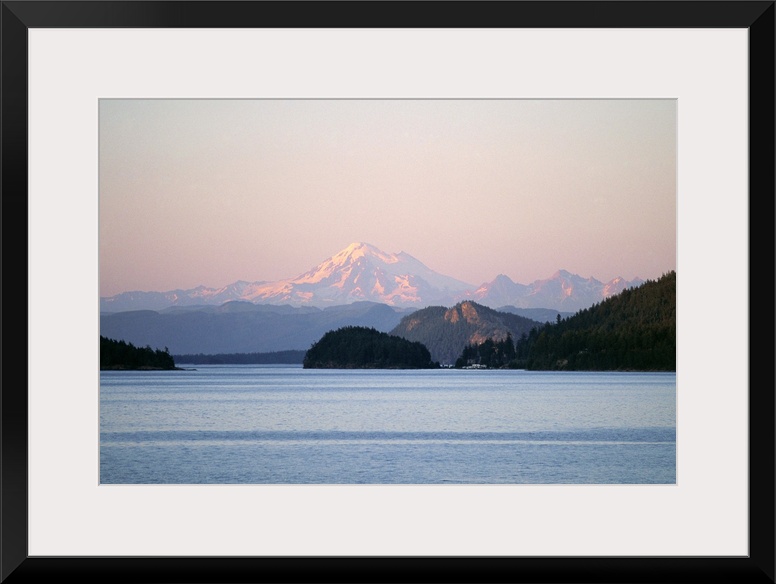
point(362, 272)
point(619, 284)
point(138, 300)
point(500, 292)
point(357, 273)
point(563, 291)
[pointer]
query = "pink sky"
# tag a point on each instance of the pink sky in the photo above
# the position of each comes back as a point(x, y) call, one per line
point(207, 192)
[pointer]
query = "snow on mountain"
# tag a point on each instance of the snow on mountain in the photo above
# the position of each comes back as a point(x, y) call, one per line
point(563, 291)
point(618, 284)
point(362, 272)
point(139, 300)
point(501, 291)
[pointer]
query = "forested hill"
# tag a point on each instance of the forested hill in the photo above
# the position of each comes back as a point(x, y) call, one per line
point(271, 358)
point(356, 347)
point(122, 355)
point(447, 331)
point(634, 330)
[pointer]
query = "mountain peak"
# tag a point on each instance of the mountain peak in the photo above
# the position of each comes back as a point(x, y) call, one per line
point(359, 249)
point(359, 246)
point(362, 271)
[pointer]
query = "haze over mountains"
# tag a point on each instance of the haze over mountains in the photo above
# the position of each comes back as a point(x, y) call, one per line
point(242, 327)
point(361, 272)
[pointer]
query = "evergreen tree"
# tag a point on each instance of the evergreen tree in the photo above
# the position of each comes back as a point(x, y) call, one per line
point(355, 347)
point(634, 330)
point(122, 355)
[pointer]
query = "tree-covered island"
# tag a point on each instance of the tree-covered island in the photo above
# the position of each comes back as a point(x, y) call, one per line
point(355, 347)
point(120, 355)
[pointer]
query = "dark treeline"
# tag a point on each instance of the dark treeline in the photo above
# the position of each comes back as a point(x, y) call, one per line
point(490, 353)
point(634, 330)
point(122, 355)
point(275, 357)
point(355, 347)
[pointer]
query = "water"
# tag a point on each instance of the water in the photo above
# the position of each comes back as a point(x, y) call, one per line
point(229, 424)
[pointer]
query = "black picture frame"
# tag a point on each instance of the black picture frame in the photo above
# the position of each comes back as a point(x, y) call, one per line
point(18, 16)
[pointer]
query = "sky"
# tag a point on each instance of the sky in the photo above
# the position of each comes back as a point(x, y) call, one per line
point(208, 192)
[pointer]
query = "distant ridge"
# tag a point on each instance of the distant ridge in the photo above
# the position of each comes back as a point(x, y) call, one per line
point(362, 272)
point(537, 314)
point(563, 291)
point(242, 327)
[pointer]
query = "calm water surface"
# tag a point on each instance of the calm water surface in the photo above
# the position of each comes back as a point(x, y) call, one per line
point(228, 424)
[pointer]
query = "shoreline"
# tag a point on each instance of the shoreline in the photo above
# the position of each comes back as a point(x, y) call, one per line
point(145, 368)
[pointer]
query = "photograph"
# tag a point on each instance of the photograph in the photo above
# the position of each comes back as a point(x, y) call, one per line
point(387, 291)
point(362, 292)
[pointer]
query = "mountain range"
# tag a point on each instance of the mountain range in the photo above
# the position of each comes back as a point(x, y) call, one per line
point(244, 327)
point(361, 272)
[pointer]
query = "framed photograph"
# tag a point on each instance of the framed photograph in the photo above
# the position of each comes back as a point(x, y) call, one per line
point(624, 129)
